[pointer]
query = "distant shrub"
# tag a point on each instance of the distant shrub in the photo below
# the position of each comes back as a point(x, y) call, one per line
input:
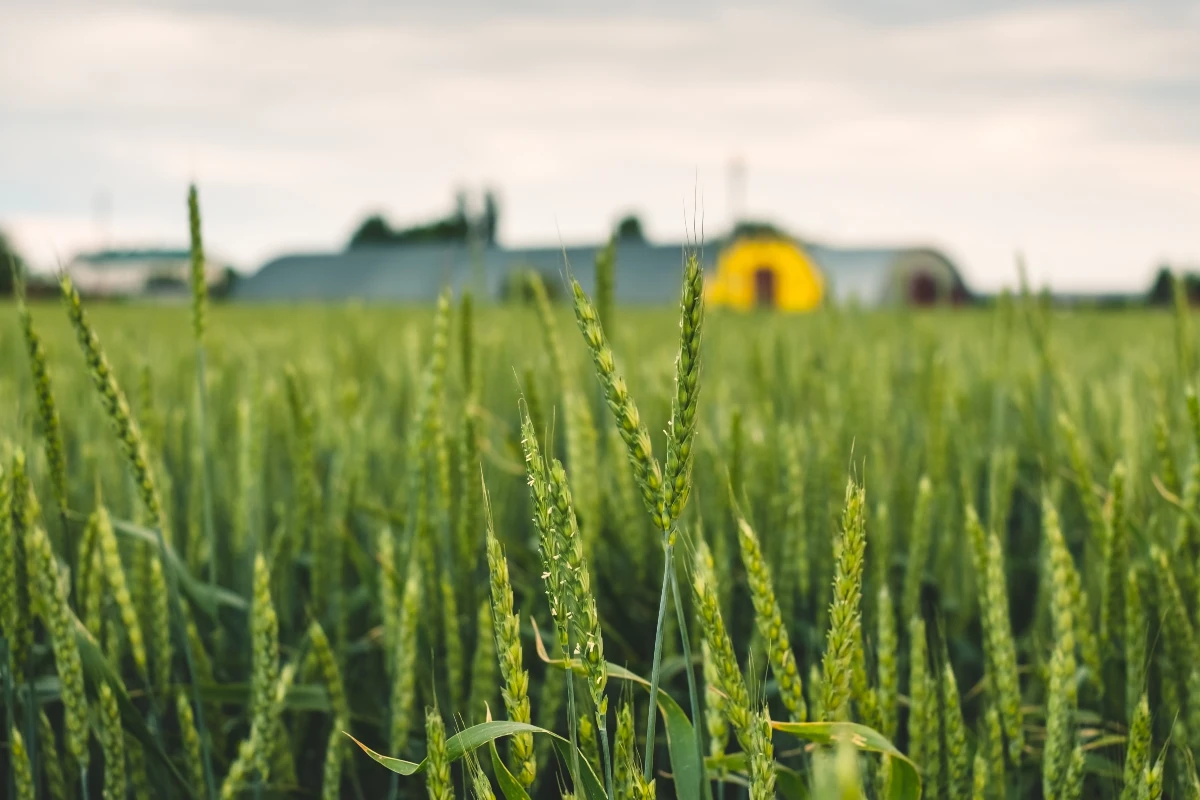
point(516, 287)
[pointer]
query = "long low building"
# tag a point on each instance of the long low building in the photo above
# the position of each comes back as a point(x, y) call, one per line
point(745, 272)
point(146, 273)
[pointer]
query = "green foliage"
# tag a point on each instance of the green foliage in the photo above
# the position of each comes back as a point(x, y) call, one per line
point(9, 258)
point(457, 226)
point(344, 541)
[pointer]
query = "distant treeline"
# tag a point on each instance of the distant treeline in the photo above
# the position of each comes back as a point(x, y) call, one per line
point(1162, 293)
point(460, 225)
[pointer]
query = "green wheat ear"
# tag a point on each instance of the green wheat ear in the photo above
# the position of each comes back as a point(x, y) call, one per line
point(51, 603)
point(769, 620)
point(112, 742)
point(139, 777)
point(918, 547)
point(264, 625)
point(13, 613)
point(921, 728)
point(677, 472)
point(843, 646)
point(44, 388)
point(437, 777)
point(508, 647)
point(404, 659)
point(331, 778)
point(114, 573)
point(22, 773)
point(954, 728)
point(714, 698)
point(999, 647)
point(629, 422)
point(198, 282)
point(736, 703)
point(1061, 692)
point(191, 739)
point(762, 757)
point(1135, 640)
point(1137, 749)
point(1152, 779)
point(19, 564)
point(624, 765)
point(585, 618)
point(253, 749)
point(56, 781)
point(1116, 557)
point(112, 398)
point(887, 671)
point(326, 662)
point(588, 744)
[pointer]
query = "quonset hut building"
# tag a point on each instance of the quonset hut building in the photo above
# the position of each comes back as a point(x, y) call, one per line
point(746, 272)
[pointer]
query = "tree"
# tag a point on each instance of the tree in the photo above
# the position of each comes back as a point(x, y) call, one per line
point(517, 286)
point(1162, 290)
point(757, 228)
point(454, 227)
point(629, 229)
point(9, 259)
point(373, 230)
point(490, 218)
point(226, 285)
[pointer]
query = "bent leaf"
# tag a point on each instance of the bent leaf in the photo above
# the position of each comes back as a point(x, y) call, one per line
point(476, 736)
point(681, 742)
point(208, 597)
point(788, 782)
point(905, 780)
point(396, 765)
point(97, 670)
point(510, 787)
point(300, 697)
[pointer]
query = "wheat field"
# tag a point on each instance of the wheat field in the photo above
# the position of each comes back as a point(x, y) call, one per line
point(566, 548)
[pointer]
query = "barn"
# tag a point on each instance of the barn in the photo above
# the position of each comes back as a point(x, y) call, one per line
point(744, 272)
point(890, 276)
point(415, 273)
point(139, 273)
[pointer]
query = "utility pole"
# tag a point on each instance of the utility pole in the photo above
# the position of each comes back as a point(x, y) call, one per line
point(737, 190)
point(102, 218)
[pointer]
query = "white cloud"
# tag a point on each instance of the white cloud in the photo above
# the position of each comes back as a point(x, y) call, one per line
point(1054, 129)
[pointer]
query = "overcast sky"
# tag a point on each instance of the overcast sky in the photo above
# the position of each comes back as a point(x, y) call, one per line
point(1067, 131)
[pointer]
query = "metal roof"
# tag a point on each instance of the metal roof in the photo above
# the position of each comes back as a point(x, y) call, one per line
point(645, 273)
point(854, 273)
point(869, 274)
point(150, 254)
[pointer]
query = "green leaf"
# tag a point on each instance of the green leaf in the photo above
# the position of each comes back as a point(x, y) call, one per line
point(396, 765)
point(510, 787)
point(97, 670)
point(681, 738)
point(681, 741)
point(1096, 764)
point(593, 789)
point(300, 697)
point(476, 736)
point(788, 781)
point(209, 597)
point(905, 781)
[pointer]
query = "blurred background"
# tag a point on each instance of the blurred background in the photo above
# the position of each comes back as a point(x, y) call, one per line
point(908, 147)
